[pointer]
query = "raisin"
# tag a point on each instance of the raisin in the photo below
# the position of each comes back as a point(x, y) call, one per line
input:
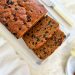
point(55, 42)
point(54, 32)
point(44, 48)
point(44, 35)
point(33, 36)
point(5, 7)
point(16, 8)
point(33, 43)
point(49, 22)
point(36, 43)
point(14, 15)
point(37, 30)
point(31, 31)
point(15, 18)
point(27, 34)
point(31, 10)
point(50, 25)
point(19, 28)
point(40, 23)
point(14, 33)
point(6, 25)
point(38, 39)
point(45, 28)
point(28, 18)
point(40, 12)
point(10, 2)
point(46, 32)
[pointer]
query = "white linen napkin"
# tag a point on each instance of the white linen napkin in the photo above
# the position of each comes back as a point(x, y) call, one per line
point(10, 63)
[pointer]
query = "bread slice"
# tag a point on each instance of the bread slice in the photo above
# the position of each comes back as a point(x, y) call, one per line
point(51, 45)
point(19, 19)
point(39, 34)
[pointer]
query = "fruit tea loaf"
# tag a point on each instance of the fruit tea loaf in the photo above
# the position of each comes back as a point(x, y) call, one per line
point(39, 34)
point(51, 45)
point(19, 19)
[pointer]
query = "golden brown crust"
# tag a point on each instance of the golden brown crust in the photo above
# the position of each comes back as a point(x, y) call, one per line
point(13, 14)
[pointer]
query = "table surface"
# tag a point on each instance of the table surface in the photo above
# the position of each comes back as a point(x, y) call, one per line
point(56, 65)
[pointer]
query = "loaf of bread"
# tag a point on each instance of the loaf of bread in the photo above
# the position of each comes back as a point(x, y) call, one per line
point(19, 19)
point(39, 34)
point(28, 19)
point(51, 45)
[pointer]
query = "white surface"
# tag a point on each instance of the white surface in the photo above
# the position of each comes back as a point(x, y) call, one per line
point(10, 63)
point(70, 6)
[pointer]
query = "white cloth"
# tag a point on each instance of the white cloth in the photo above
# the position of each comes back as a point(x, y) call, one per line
point(10, 63)
point(69, 5)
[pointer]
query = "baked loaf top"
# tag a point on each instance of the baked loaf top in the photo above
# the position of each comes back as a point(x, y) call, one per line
point(51, 45)
point(19, 19)
point(39, 34)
